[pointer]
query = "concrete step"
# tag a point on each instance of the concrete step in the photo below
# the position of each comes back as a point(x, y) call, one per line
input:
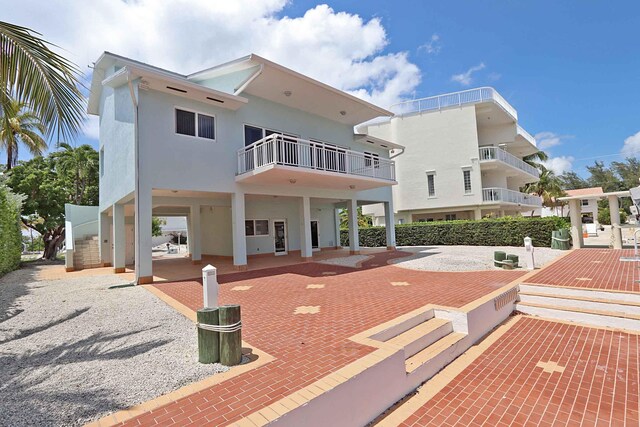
point(597, 304)
point(422, 335)
point(581, 292)
point(436, 356)
point(579, 314)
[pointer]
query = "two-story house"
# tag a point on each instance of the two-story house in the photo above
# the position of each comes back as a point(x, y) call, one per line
point(463, 158)
point(258, 157)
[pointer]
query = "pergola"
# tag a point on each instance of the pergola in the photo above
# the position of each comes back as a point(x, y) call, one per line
point(576, 218)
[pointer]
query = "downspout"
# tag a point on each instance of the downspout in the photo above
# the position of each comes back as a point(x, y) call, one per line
point(248, 81)
point(134, 101)
point(396, 155)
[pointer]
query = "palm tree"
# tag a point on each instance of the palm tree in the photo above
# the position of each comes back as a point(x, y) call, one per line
point(20, 125)
point(80, 165)
point(548, 188)
point(31, 72)
point(536, 160)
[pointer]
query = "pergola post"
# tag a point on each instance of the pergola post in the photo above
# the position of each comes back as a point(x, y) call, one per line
point(616, 231)
point(576, 223)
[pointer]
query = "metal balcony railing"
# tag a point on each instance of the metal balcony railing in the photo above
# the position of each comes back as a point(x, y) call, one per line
point(503, 195)
point(279, 149)
point(497, 153)
point(455, 99)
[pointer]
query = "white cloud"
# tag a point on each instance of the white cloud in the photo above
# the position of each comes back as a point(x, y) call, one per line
point(547, 140)
point(466, 78)
point(91, 128)
point(433, 46)
point(631, 147)
point(338, 48)
point(559, 165)
point(494, 77)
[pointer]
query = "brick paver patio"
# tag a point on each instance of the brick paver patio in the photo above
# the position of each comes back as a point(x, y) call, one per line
point(593, 269)
point(306, 328)
point(543, 373)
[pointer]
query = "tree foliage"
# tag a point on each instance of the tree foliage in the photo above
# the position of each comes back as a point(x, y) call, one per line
point(156, 226)
point(19, 125)
point(11, 241)
point(363, 220)
point(80, 167)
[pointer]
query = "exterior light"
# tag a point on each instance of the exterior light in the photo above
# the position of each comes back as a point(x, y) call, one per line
point(287, 93)
point(353, 187)
point(343, 113)
point(292, 181)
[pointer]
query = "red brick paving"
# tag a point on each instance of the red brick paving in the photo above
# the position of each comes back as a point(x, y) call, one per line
point(308, 347)
point(602, 266)
point(599, 385)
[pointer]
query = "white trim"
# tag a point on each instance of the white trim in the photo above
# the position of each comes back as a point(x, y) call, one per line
point(286, 237)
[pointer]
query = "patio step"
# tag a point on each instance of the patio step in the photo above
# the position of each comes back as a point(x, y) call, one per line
point(86, 253)
point(422, 336)
point(436, 356)
point(578, 313)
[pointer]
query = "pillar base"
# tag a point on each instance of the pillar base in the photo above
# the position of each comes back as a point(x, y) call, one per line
point(306, 258)
point(145, 280)
point(119, 270)
point(240, 267)
point(337, 247)
point(354, 252)
point(69, 269)
point(391, 248)
point(196, 262)
point(106, 264)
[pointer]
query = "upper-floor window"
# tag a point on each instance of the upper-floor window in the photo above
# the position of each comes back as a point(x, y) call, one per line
point(466, 177)
point(431, 184)
point(585, 202)
point(195, 124)
point(371, 159)
point(254, 133)
point(450, 217)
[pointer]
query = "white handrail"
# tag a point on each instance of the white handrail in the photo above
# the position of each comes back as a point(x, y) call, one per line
point(503, 195)
point(289, 151)
point(495, 153)
point(454, 99)
point(526, 135)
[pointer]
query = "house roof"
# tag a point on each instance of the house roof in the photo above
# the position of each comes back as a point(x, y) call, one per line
point(585, 191)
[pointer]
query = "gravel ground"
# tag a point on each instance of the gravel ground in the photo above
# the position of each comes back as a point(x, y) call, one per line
point(348, 261)
point(74, 350)
point(466, 258)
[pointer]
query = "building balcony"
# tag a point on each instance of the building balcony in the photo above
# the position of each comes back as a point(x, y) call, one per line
point(493, 156)
point(501, 196)
point(284, 160)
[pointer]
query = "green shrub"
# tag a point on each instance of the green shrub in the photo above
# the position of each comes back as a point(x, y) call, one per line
point(10, 230)
point(509, 231)
point(604, 216)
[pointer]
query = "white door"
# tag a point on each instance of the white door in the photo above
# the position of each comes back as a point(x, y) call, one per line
point(280, 236)
point(130, 253)
point(315, 235)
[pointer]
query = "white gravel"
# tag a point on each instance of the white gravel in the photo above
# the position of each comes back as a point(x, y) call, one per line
point(466, 258)
point(73, 350)
point(348, 261)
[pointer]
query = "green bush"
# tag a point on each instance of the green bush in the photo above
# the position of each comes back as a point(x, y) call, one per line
point(507, 231)
point(10, 230)
point(604, 216)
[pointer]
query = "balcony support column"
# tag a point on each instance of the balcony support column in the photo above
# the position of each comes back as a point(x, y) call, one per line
point(390, 225)
point(119, 239)
point(336, 219)
point(616, 231)
point(576, 223)
point(195, 235)
point(354, 237)
point(238, 232)
point(306, 249)
point(477, 214)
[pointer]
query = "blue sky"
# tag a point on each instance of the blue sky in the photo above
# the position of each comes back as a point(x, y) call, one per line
point(571, 68)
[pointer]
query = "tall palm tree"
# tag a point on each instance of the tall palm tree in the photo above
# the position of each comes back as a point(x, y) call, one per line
point(548, 188)
point(20, 125)
point(31, 72)
point(80, 165)
point(536, 160)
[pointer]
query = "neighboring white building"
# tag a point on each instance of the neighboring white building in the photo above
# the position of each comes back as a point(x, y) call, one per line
point(259, 158)
point(588, 206)
point(463, 158)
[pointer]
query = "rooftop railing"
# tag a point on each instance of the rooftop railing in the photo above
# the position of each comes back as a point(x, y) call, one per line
point(496, 153)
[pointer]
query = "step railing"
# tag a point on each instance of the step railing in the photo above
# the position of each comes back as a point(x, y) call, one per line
point(503, 195)
point(283, 150)
point(496, 153)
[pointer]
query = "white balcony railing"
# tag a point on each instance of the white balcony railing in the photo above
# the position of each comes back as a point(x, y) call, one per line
point(278, 149)
point(503, 195)
point(526, 135)
point(455, 99)
point(496, 153)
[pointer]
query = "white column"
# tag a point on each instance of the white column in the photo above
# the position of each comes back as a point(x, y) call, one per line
point(143, 243)
point(306, 249)
point(336, 218)
point(354, 239)
point(105, 239)
point(576, 223)
point(614, 210)
point(237, 226)
point(390, 225)
point(477, 213)
point(189, 235)
point(196, 234)
point(119, 238)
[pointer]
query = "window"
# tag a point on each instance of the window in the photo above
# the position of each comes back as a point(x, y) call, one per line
point(450, 217)
point(252, 134)
point(466, 177)
point(256, 227)
point(186, 124)
point(371, 158)
point(585, 202)
point(431, 184)
point(400, 221)
point(102, 161)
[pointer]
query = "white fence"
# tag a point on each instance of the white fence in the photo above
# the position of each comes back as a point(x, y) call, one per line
point(496, 153)
point(288, 151)
point(502, 195)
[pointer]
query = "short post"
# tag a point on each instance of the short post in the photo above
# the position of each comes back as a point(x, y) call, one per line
point(208, 341)
point(231, 338)
point(528, 248)
point(210, 286)
point(498, 258)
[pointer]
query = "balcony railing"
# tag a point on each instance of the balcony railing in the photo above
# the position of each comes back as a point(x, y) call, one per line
point(283, 150)
point(456, 99)
point(526, 135)
point(496, 153)
point(503, 195)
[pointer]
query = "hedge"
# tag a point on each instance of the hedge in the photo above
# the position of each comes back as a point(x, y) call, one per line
point(486, 232)
point(10, 230)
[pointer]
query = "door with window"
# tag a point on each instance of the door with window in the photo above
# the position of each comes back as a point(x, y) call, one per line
point(315, 235)
point(280, 236)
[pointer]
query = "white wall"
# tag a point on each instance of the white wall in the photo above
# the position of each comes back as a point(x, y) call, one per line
point(216, 230)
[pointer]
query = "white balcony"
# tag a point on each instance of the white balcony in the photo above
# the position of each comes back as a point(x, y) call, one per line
point(493, 155)
point(526, 135)
point(284, 160)
point(504, 196)
point(455, 99)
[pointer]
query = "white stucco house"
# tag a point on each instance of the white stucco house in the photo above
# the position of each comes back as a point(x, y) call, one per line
point(258, 157)
point(463, 158)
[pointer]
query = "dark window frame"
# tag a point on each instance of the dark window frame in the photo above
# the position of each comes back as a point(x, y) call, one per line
point(196, 124)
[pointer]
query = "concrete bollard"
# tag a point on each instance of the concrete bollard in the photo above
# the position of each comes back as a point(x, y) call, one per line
point(210, 286)
point(528, 256)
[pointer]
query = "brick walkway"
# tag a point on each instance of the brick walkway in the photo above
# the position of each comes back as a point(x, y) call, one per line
point(310, 346)
point(594, 269)
point(543, 373)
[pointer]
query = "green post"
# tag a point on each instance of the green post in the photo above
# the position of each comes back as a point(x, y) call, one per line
point(514, 258)
point(208, 341)
point(507, 264)
point(499, 256)
point(230, 342)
